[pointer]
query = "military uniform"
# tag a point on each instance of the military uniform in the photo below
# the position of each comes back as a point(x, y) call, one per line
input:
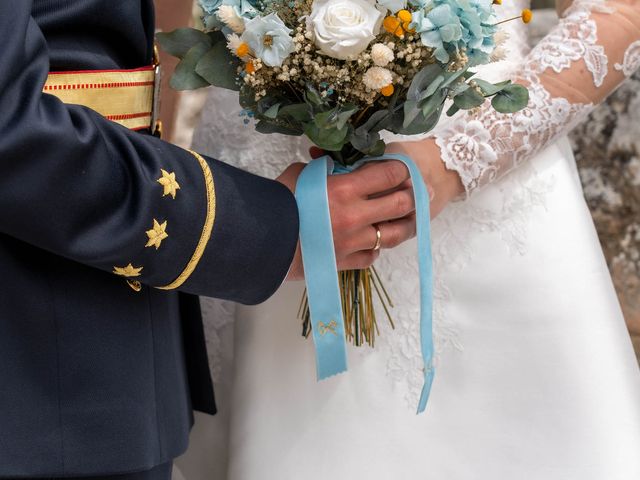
point(104, 231)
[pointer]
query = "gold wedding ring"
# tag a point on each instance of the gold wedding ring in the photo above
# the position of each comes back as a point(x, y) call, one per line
point(378, 244)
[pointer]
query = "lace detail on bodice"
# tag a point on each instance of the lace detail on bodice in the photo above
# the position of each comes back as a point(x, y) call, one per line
point(631, 61)
point(483, 145)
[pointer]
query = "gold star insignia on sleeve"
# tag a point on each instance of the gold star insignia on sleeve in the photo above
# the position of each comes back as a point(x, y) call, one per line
point(168, 181)
point(128, 271)
point(157, 234)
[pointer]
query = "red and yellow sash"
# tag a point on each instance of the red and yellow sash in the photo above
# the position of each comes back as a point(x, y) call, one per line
point(123, 96)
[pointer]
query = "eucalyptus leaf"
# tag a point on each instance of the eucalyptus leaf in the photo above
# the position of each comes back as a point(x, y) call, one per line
point(459, 88)
point(421, 124)
point(185, 76)
point(378, 149)
point(468, 99)
point(431, 89)
point(452, 110)
point(489, 89)
point(272, 111)
point(268, 127)
point(411, 111)
point(423, 79)
point(344, 116)
point(312, 96)
point(330, 139)
point(365, 137)
point(219, 67)
point(511, 99)
point(247, 98)
point(364, 141)
point(298, 111)
point(431, 105)
point(453, 76)
point(326, 119)
point(180, 41)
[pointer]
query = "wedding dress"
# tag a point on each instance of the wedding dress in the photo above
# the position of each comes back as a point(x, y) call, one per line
point(535, 374)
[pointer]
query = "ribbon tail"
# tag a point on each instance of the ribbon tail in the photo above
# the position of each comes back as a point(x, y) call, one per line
point(319, 260)
point(426, 389)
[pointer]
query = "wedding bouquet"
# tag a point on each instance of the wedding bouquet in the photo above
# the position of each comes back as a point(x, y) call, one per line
point(342, 71)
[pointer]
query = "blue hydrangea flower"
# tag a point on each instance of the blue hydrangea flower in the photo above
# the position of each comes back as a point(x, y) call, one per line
point(439, 28)
point(476, 25)
point(269, 38)
point(209, 7)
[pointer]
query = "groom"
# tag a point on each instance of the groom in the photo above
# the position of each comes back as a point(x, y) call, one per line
point(103, 233)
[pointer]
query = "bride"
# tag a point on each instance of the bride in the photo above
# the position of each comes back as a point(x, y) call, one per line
point(536, 377)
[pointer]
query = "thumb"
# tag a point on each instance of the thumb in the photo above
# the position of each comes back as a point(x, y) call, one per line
point(316, 152)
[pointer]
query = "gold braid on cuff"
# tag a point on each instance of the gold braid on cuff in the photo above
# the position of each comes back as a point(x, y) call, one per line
point(206, 231)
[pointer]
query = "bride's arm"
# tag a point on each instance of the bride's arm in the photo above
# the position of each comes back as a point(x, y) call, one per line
point(575, 67)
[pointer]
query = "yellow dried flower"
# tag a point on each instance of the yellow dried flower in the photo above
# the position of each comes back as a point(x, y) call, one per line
point(392, 25)
point(387, 91)
point(242, 50)
point(404, 16)
point(526, 15)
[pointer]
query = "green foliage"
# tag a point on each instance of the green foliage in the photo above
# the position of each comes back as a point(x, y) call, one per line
point(219, 67)
point(468, 99)
point(204, 59)
point(180, 41)
point(185, 76)
point(511, 99)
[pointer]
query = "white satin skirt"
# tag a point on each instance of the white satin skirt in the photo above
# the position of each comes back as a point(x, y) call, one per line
point(539, 381)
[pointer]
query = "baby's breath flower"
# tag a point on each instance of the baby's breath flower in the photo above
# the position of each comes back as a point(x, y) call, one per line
point(381, 54)
point(377, 77)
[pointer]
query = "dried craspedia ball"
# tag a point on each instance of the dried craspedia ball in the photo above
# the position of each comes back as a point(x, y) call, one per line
point(526, 15)
point(393, 26)
point(387, 91)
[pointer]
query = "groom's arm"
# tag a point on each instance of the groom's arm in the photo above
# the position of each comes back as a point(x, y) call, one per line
point(82, 187)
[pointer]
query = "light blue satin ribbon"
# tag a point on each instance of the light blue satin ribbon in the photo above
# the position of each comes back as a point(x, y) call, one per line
point(318, 256)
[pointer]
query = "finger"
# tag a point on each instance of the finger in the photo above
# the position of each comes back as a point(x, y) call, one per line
point(399, 231)
point(379, 177)
point(404, 185)
point(390, 207)
point(392, 234)
point(358, 260)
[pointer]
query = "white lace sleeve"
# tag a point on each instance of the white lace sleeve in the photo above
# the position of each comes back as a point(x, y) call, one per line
point(576, 66)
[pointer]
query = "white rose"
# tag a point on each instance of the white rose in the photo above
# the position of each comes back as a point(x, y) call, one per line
point(343, 29)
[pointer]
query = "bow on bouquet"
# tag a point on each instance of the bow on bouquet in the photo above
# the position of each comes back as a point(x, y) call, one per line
point(340, 72)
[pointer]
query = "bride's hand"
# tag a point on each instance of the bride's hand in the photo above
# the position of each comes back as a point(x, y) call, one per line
point(376, 194)
point(444, 185)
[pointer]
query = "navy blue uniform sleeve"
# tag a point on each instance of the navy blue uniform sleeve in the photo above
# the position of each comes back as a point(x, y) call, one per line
point(85, 188)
